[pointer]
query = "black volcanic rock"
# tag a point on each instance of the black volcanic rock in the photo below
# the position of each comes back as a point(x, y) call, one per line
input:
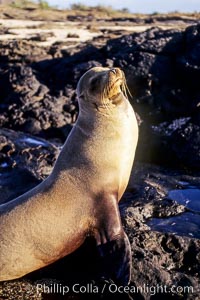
point(38, 98)
point(24, 162)
point(159, 259)
point(162, 71)
point(185, 144)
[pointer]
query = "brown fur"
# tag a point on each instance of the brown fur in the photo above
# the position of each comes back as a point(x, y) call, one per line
point(53, 219)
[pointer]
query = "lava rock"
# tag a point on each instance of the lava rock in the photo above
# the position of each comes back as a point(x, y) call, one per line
point(24, 162)
point(162, 71)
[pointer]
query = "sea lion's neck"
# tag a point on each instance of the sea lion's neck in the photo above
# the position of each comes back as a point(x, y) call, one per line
point(95, 129)
point(97, 120)
point(94, 112)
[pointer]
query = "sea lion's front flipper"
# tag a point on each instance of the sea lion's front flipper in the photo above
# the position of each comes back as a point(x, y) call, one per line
point(113, 246)
point(115, 259)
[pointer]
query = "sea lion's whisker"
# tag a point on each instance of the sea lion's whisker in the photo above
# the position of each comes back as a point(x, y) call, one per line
point(127, 89)
point(103, 97)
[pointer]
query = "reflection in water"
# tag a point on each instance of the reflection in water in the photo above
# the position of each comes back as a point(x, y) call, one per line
point(4, 165)
point(185, 224)
point(189, 197)
point(34, 141)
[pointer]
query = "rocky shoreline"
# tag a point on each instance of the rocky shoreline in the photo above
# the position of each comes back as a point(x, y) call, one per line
point(162, 69)
point(39, 107)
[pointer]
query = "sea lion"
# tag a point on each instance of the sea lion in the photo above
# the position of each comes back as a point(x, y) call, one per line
point(79, 198)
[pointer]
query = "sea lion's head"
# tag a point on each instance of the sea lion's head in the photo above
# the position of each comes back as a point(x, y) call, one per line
point(102, 88)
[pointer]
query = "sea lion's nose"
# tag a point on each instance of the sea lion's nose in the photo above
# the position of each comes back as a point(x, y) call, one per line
point(113, 70)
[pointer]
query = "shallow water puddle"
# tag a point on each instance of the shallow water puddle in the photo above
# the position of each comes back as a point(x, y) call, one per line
point(3, 165)
point(189, 197)
point(188, 223)
point(33, 141)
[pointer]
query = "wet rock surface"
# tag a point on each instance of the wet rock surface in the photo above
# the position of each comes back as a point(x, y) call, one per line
point(38, 107)
point(171, 257)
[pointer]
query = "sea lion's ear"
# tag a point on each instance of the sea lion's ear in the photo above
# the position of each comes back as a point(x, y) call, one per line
point(81, 96)
point(94, 83)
